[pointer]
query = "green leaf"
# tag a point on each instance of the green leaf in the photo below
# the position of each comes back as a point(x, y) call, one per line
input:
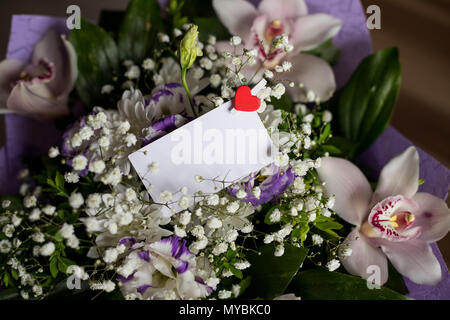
point(211, 25)
point(9, 294)
point(14, 274)
point(98, 60)
point(300, 232)
point(326, 51)
point(234, 271)
point(320, 284)
point(271, 275)
point(284, 103)
point(54, 267)
point(364, 106)
point(325, 133)
point(62, 266)
point(137, 32)
point(59, 180)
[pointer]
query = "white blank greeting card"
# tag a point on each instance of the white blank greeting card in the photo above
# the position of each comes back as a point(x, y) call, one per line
point(222, 146)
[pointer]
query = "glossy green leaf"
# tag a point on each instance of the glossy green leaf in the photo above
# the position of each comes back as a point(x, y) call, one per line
point(211, 25)
point(364, 106)
point(327, 51)
point(98, 60)
point(320, 284)
point(137, 32)
point(271, 275)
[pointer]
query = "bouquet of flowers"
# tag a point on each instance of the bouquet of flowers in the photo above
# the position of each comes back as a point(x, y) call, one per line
point(92, 219)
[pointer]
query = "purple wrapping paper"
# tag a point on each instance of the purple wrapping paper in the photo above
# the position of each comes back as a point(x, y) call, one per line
point(26, 136)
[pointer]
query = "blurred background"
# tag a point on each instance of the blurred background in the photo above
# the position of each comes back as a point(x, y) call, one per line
point(420, 28)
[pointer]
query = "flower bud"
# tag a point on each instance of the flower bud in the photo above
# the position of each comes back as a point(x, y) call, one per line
point(189, 48)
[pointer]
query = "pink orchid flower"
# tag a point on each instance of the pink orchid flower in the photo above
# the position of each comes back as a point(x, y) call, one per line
point(395, 221)
point(40, 88)
point(273, 18)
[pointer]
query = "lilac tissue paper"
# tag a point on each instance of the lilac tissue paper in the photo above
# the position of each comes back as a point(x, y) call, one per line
point(27, 136)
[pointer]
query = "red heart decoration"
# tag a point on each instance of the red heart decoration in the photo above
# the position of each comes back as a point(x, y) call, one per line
point(245, 101)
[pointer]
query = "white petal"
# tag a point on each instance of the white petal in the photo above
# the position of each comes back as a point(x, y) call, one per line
point(312, 30)
point(316, 75)
point(282, 9)
point(364, 254)
point(9, 72)
point(236, 15)
point(415, 260)
point(400, 176)
point(433, 216)
point(351, 188)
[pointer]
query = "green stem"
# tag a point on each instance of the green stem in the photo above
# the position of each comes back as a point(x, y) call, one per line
point(183, 80)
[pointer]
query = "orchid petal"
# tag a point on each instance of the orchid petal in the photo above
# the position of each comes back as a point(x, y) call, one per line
point(52, 48)
point(415, 260)
point(399, 177)
point(312, 30)
point(433, 216)
point(9, 73)
point(314, 73)
point(351, 188)
point(236, 15)
point(282, 9)
point(363, 255)
point(37, 100)
point(72, 65)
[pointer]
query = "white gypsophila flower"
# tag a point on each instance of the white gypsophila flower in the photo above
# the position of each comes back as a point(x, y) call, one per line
point(73, 242)
point(177, 32)
point(97, 166)
point(5, 246)
point(214, 223)
point(35, 214)
point(184, 202)
point(235, 40)
point(47, 249)
point(212, 282)
point(108, 286)
point(133, 72)
point(268, 74)
point(310, 96)
point(224, 294)
point(330, 202)
point(198, 178)
point(38, 237)
point(79, 162)
point(333, 265)
point(24, 189)
point(256, 192)
point(162, 37)
point(346, 252)
point(317, 239)
point(282, 160)
point(215, 80)
point(6, 203)
point(213, 200)
point(312, 217)
point(327, 116)
point(78, 272)
point(279, 69)
point(130, 139)
point(279, 250)
point(66, 231)
point(113, 177)
point(124, 126)
point(326, 213)
point(110, 255)
point(220, 248)
point(211, 40)
point(76, 200)
point(29, 201)
point(275, 216)
point(153, 167)
point(148, 64)
point(206, 63)
point(231, 235)
point(198, 231)
point(107, 89)
point(242, 265)
point(93, 201)
point(247, 228)
point(53, 152)
point(179, 232)
point(233, 207)
point(71, 177)
point(16, 220)
point(104, 142)
point(236, 61)
point(185, 217)
point(76, 140)
point(241, 194)
point(268, 239)
point(86, 132)
point(286, 65)
point(49, 209)
point(278, 90)
point(166, 195)
point(197, 73)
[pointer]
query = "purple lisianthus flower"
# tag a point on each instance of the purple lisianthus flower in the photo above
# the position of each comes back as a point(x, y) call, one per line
point(272, 187)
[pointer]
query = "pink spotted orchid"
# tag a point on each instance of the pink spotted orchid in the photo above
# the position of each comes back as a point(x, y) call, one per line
point(40, 88)
point(394, 222)
point(257, 27)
